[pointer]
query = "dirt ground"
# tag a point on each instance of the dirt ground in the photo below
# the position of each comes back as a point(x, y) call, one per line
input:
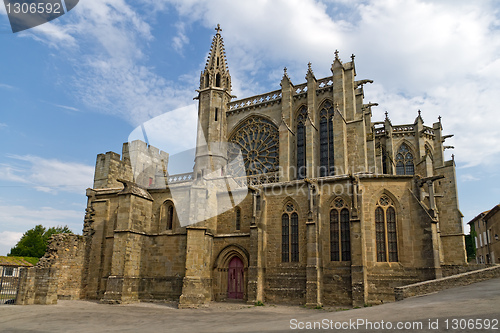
point(463, 309)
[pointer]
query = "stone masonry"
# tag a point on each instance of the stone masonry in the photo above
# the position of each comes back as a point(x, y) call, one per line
point(338, 210)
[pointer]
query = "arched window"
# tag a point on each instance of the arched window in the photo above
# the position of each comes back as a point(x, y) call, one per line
point(385, 229)
point(340, 233)
point(301, 143)
point(168, 214)
point(404, 161)
point(326, 140)
point(238, 218)
point(290, 234)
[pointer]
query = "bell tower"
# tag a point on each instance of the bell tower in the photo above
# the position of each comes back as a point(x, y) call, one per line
point(213, 96)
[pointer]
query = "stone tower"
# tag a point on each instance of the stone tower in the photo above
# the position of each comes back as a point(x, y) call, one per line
point(213, 96)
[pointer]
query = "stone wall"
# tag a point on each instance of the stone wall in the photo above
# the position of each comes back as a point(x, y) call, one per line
point(431, 286)
point(58, 274)
point(449, 270)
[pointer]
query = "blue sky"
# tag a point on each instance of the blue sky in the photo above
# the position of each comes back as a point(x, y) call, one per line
point(79, 85)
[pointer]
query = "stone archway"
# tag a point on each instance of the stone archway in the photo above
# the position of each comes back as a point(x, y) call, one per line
point(230, 276)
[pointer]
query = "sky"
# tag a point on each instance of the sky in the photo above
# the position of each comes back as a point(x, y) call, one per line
point(79, 85)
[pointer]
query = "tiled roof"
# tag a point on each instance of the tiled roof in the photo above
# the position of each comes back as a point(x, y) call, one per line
point(14, 261)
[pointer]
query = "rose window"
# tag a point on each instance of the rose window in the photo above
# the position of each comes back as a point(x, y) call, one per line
point(258, 139)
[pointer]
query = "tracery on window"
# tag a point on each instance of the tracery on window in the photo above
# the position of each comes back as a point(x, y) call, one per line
point(385, 230)
point(326, 151)
point(258, 140)
point(404, 161)
point(301, 143)
point(290, 234)
point(340, 234)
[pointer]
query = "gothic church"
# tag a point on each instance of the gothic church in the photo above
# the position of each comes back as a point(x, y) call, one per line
point(339, 209)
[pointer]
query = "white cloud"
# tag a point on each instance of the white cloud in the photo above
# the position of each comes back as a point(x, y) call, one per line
point(47, 175)
point(6, 86)
point(181, 39)
point(24, 218)
point(14, 218)
point(437, 56)
point(67, 107)
point(46, 216)
point(8, 239)
point(468, 178)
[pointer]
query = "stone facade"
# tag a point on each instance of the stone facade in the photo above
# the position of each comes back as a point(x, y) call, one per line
point(486, 230)
point(338, 210)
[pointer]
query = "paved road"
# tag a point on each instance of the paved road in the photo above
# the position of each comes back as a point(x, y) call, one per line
point(472, 304)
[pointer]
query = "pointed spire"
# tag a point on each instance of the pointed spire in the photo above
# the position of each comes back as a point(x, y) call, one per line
point(285, 80)
point(310, 73)
point(216, 73)
point(337, 63)
point(419, 117)
point(217, 55)
point(285, 74)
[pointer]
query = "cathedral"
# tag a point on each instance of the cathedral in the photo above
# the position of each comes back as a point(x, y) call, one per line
point(296, 196)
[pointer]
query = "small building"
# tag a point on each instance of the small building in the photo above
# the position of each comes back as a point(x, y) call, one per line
point(9, 277)
point(9, 266)
point(485, 228)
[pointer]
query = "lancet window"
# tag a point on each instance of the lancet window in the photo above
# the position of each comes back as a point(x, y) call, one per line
point(301, 143)
point(340, 234)
point(385, 229)
point(326, 140)
point(290, 234)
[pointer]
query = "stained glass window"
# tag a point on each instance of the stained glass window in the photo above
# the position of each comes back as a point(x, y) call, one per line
point(340, 233)
point(404, 161)
point(258, 140)
point(326, 140)
point(301, 143)
point(385, 229)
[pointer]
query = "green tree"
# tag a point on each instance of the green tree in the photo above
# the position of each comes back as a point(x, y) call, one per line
point(34, 242)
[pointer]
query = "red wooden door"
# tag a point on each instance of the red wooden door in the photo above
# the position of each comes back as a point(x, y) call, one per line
point(235, 279)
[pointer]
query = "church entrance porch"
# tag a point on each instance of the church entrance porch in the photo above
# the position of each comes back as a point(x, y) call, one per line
point(229, 275)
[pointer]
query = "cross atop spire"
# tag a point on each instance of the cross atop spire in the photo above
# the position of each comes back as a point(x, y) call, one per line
point(336, 54)
point(218, 29)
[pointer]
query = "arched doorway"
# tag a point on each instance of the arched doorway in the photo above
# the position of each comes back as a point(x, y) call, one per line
point(235, 282)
